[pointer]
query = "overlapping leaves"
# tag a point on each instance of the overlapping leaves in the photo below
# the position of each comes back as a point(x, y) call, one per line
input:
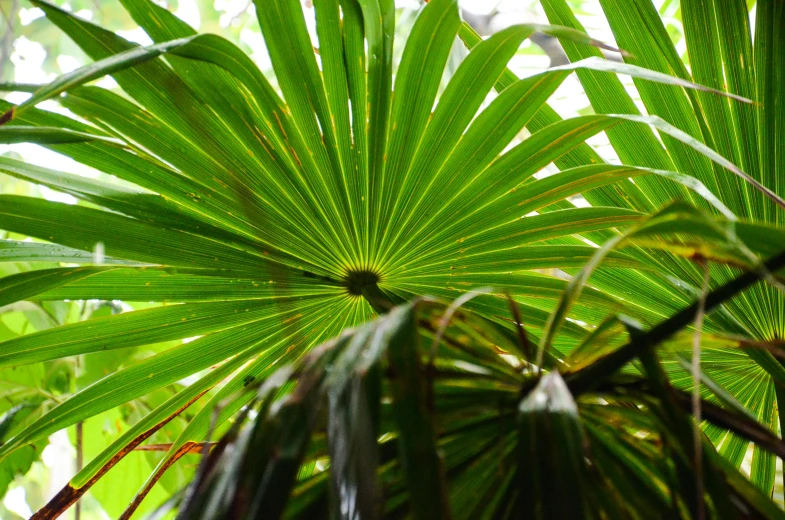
point(416, 415)
point(277, 214)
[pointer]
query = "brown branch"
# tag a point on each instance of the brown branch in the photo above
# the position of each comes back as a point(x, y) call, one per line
point(196, 447)
point(188, 447)
point(69, 494)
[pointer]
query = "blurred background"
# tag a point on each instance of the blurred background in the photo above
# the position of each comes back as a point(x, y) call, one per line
point(33, 51)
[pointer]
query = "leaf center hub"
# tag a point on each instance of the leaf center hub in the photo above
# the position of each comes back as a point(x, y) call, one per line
point(356, 280)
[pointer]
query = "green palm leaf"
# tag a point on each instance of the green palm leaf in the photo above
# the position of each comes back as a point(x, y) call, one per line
point(271, 215)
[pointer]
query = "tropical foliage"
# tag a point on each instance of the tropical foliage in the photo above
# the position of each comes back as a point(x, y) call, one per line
point(456, 438)
point(266, 217)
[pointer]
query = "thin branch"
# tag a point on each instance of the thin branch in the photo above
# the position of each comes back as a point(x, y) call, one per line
point(69, 494)
point(79, 463)
point(588, 377)
point(188, 447)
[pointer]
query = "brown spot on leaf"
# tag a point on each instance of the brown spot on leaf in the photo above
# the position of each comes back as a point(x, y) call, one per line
point(7, 116)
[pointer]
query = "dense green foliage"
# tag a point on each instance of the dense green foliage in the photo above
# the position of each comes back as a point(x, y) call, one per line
point(269, 217)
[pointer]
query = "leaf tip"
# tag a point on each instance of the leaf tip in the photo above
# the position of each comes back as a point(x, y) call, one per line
point(602, 45)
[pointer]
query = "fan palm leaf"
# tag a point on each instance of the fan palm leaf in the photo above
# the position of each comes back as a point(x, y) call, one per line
point(278, 213)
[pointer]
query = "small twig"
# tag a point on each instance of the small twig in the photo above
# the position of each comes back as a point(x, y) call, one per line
point(8, 38)
point(84, 314)
point(188, 447)
point(97, 7)
point(79, 463)
point(193, 447)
